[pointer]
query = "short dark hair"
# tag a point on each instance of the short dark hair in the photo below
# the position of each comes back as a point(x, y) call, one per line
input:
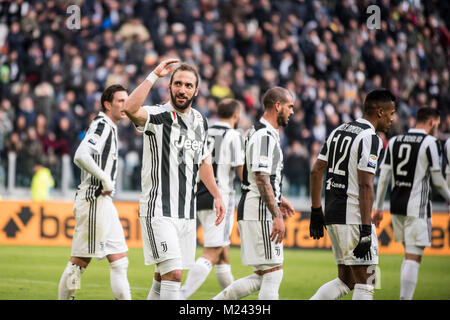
point(108, 94)
point(273, 95)
point(426, 113)
point(375, 98)
point(186, 67)
point(227, 107)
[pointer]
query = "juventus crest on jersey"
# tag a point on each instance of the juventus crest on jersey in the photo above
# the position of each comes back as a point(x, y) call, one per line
point(350, 147)
point(174, 147)
point(410, 157)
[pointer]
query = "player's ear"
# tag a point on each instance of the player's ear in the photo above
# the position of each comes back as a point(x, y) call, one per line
point(107, 105)
point(196, 92)
point(380, 111)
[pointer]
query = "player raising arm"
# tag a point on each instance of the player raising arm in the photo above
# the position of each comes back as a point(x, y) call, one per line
point(175, 155)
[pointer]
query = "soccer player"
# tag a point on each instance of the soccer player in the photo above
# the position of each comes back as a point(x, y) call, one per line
point(227, 149)
point(98, 232)
point(175, 154)
point(349, 158)
point(411, 160)
point(447, 161)
point(262, 207)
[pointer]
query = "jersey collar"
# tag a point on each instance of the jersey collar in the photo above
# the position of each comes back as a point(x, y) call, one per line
point(415, 130)
point(223, 124)
point(108, 119)
point(269, 126)
point(361, 120)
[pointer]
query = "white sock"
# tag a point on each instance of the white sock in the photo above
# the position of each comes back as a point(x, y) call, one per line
point(155, 290)
point(408, 278)
point(170, 290)
point(70, 281)
point(270, 285)
point(119, 281)
point(240, 288)
point(363, 292)
point(196, 276)
point(224, 275)
point(332, 290)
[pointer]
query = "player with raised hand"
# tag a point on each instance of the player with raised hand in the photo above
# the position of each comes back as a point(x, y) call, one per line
point(175, 155)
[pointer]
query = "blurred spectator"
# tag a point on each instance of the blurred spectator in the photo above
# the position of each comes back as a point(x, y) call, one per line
point(297, 169)
point(322, 51)
point(42, 183)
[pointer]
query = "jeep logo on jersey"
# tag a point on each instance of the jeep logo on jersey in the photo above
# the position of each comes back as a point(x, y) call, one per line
point(188, 144)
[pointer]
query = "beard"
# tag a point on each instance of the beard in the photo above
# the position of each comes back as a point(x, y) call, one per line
point(178, 105)
point(281, 120)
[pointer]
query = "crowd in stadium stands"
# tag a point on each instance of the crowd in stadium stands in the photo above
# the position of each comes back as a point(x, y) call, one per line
point(52, 76)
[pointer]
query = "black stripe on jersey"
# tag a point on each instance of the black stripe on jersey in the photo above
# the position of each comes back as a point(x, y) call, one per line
point(387, 161)
point(106, 149)
point(429, 157)
point(375, 144)
point(194, 179)
point(165, 170)
point(113, 170)
point(245, 182)
point(92, 226)
point(324, 149)
point(154, 174)
point(161, 118)
point(182, 173)
point(240, 208)
point(100, 128)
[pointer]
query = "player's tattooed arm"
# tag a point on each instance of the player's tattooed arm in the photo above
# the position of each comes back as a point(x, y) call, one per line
point(267, 194)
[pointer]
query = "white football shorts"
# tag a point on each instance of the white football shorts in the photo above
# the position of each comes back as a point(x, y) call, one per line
point(216, 236)
point(167, 238)
point(344, 239)
point(412, 231)
point(256, 248)
point(98, 231)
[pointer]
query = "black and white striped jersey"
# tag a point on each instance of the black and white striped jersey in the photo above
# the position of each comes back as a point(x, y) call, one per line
point(350, 147)
point(447, 161)
point(173, 149)
point(411, 159)
point(226, 146)
point(263, 154)
point(101, 137)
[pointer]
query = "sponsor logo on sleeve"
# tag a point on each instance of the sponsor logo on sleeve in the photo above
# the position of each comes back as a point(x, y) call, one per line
point(373, 159)
point(263, 162)
point(94, 139)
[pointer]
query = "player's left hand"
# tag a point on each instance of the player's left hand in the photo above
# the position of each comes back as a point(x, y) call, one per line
point(316, 223)
point(220, 210)
point(365, 241)
point(286, 208)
